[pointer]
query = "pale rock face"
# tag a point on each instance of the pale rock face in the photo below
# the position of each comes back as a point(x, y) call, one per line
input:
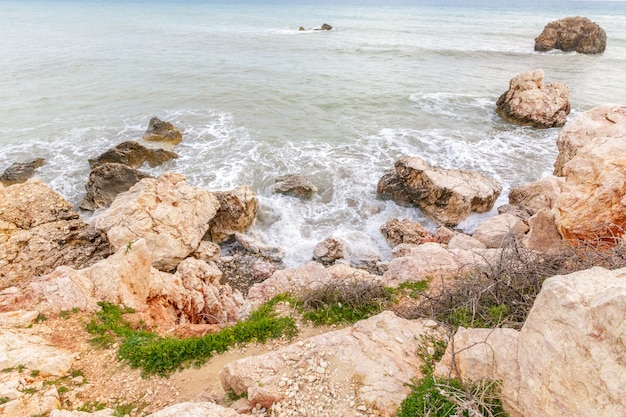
point(171, 215)
point(201, 409)
point(379, 353)
point(20, 348)
point(236, 214)
point(498, 231)
point(32, 405)
point(107, 412)
point(537, 195)
point(39, 231)
point(603, 121)
point(465, 242)
point(592, 206)
point(17, 319)
point(531, 102)
point(446, 195)
point(543, 235)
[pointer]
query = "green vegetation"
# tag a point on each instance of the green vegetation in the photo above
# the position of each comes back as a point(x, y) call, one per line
point(411, 289)
point(163, 355)
point(4, 400)
point(62, 389)
point(91, 406)
point(121, 410)
point(30, 391)
point(41, 318)
point(231, 396)
point(34, 373)
point(343, 302)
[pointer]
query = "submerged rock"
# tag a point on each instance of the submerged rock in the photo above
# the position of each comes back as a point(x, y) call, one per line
point(106, 181)
point(529, 101)
point(164, 132)
point(20, 172)
point(572, 34)
point(295, 185)
point(134, 155)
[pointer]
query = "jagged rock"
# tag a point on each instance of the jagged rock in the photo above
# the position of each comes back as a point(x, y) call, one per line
point(446, 195)
point(330, 250)
point(32, 405)
point(203, 409)
point(170, 214)
point(603, 121)
point(39, 231)
point(515, 210)
point(378, 352)
point(20, 172)
point(543, 235)
point(531, 102)
point(572, 34)
point(295, 185)
point(256, 246)
point(236, 213)
point(106, 181)
point(538, 195)
point(207, 251)
point(568, 358)
point(391, 187)
point(398, 231)
point(134, 155)
point(326, 26)
point(498, 231)
point(444, 234)
point(31, 351)
point(160, 131)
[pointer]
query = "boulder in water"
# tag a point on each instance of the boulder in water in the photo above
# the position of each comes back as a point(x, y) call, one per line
point(164, 132)
point(572, 34)
point(20, 172)
point(134, 155)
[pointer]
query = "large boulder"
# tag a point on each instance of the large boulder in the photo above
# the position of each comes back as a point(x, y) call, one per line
point(236, 213)
point(162, 132)
point(572, 34)
point(363, 368)
point(106, 181)
point(529, 101)
point(537, 195)
point(446, 195)
point(20, 172)
point(568, 358)
point(500, 230)
point(295, 185)
point(603, 121)
point(39, 231)
point(134, 155)
point(170, 214)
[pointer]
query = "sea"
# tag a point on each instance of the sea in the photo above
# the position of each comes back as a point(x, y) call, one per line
point(256, 98)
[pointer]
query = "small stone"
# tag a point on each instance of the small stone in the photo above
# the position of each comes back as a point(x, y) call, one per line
point(362, 408)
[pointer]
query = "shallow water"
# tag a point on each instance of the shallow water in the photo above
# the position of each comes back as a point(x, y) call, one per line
point(256, 98)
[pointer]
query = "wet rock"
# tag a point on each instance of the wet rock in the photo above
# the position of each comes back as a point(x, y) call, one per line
point(163, 132)
point(572, 34)
point(398, 231)
point(134, 155)
point(446, 195)
point(170, 214)
point(20, 172)
point(529, 101)
point(106, 181)
point(391, 187)
point(330, 250)
point(603, 121)
point(39, 231)
point(295, 185)
point(236, 213)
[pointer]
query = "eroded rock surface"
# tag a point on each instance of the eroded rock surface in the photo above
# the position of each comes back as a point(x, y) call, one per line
point(162, 132)
point(236, 214)
point(18, 172)
point(106, 181)
point(134, 155)
point(572, 34)
point(398, 231)
point(295, 185)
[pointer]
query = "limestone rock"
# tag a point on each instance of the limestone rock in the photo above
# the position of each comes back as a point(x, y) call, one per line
point(237, 213)
point(465, 242)
point(164, 132)
point(592, 206)
point(295, 185)
point(31, 351)
point(603, 121)
point(517, 211)
point(531, 102)
point(427, 260)
point(107, 412)
point(39, 231)
point(391, 187)
point(20, 172)
point(168, 212)
point(377, 355)
point(543, 235)
point(106, 181)
point(18, 318)
point(132, 154)
point(207, 251)
point(572, 34)
point(32, 405)
point(446, 195)
point(330, 250)
point(254, 245)
point(498, 231)
point(444, 235)
point(538, 195)
point(398, 231)
point(203, 409)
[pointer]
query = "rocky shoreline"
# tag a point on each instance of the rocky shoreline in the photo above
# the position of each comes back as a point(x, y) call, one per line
point(156, 247)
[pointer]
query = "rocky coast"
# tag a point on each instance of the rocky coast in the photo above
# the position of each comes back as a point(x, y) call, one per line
point(164, 304)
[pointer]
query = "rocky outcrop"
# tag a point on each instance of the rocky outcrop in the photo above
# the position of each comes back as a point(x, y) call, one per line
point(398, 231)
point(529, 101)
point(568, 357)
point(330, 250)
point(236, 213)
point(170, 214)
point(20, 172)
point(106, 181)
point(39, 231)
point(572, 34)
point(603, 121)
point(295, 185)
point(363, 367)
point(195, 409)
point(134, 155)
point(498, 231)
point(538, 195)
point(162, 132)
point(446, 195)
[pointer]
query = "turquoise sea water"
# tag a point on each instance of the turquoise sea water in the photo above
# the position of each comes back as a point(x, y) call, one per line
point(256, 98)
